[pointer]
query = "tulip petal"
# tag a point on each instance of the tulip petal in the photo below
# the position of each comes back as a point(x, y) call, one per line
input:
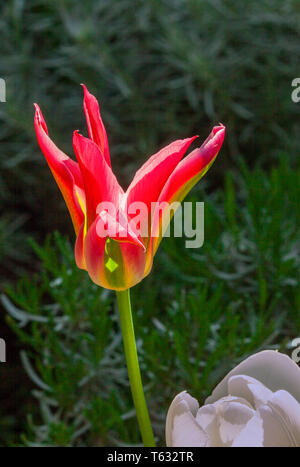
point(150, 179)
point(275, 432)
point(273, 369)
point(182, 428)
point(118, 230)
point(79, 253)
point(233, 416)
point(252, 435)
point(93, 250)
point(113, 264)
point(207, 418)
point(95, 125)
point(224, 419)
point(101, 186)
point(250, 389)
point(285, 406)
point(187, 173)
point(65, 171)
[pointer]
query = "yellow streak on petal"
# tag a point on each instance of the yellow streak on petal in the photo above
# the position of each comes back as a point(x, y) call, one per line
point(82, 204)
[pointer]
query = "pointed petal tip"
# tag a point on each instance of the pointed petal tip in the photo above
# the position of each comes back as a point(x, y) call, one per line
point(219, 128)
point(86, 92)
point(78, 138)
point(76, 135)
point(85, 89)
point(140, 244)
point(37, 109)
point(39, 119)
point(192, 138)
point(218, 134)
point(135, 239)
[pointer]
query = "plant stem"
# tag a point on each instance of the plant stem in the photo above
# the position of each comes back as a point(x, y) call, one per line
point(134, 373)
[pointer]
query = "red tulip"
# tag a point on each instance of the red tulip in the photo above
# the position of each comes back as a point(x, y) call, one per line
point(123, 257)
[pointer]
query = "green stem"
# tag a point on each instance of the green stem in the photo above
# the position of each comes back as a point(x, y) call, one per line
point(133, 368)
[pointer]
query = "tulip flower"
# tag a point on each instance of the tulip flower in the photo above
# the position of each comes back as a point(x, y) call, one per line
point(115, 253)
point(256, 405)
point(119, 262)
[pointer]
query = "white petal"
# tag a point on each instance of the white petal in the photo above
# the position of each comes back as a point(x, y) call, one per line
point(222, 418)
point(182, 429)
point(233, 417)
point(273, 369)
point(250, 389)
point(287, 409)
point(207, 419)
point(187, 433)
point(206, 416)
point(252, 435)
point(275, 434)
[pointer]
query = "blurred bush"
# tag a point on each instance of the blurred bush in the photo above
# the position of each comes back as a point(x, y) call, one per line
point(161, 70)
point(196, 315)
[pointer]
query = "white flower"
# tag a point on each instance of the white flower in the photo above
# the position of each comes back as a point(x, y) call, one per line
point(257, 404)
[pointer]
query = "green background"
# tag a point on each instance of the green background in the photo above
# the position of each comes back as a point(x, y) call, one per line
point(161, 70)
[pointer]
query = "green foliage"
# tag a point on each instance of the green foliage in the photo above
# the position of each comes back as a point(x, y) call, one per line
point(162, 70)
point(198, 314)
point(11, 237)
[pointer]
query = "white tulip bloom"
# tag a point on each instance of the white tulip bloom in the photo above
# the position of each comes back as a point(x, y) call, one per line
point(256, 405)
